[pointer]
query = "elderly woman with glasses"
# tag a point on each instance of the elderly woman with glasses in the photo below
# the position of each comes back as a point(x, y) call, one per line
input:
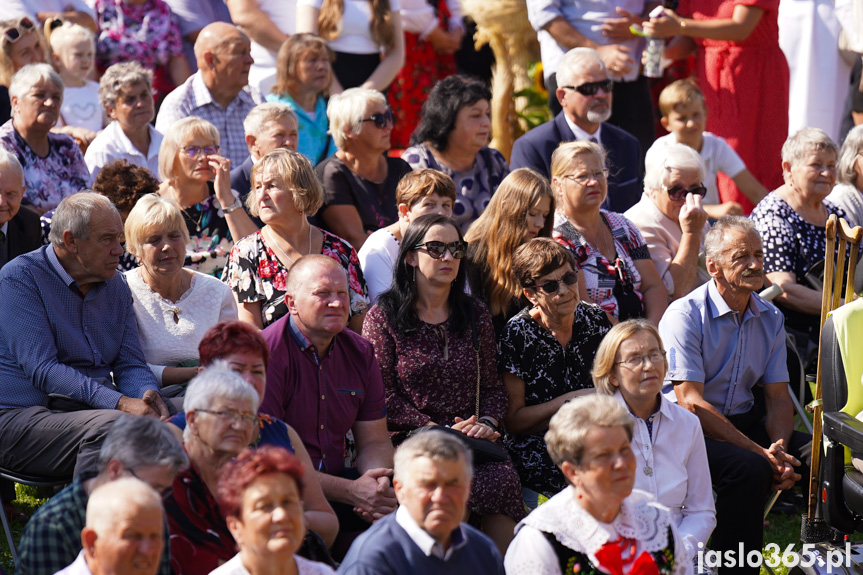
point(195, 176)
point(359, 179)
point(671, 218)
point(20, 44)
point(599, 524)
point(53, 164)
point(609, 250)
point(670, 456)
point(546, 352)
point(792, 220)
point(436, 350)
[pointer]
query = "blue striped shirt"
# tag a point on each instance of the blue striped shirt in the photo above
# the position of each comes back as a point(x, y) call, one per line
point(54, 340)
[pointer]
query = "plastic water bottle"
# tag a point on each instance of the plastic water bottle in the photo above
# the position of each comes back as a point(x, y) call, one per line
point(653, 57)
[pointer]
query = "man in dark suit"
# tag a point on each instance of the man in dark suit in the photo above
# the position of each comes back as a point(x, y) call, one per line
point(268, 127)
point(584, 92)
point(19, 229)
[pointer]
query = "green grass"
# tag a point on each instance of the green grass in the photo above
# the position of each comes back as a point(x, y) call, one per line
point(27, 501)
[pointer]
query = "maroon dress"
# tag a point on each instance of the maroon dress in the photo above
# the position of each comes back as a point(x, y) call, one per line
point(430, 375)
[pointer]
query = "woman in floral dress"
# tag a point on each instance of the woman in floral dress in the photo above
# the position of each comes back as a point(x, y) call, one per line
point(285, 193)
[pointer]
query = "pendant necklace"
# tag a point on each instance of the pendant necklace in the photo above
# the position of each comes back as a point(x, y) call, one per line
point(648, 470)
point(281, 251)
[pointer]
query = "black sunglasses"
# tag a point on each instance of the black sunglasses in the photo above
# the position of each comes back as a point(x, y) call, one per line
point(24, 26)
point(382, 120)
point(550, 287)
point(437, 249)
point(591, 88)
point(677, 193)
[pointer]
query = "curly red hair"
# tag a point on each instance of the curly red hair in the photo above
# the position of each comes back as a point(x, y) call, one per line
point(250, 465)
point(230, 337)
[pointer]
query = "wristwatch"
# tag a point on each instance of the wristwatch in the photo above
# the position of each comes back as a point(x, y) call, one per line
point(237, 203)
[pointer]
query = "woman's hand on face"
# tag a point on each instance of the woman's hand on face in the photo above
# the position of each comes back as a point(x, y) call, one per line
point(471, 428)
point(222, 168)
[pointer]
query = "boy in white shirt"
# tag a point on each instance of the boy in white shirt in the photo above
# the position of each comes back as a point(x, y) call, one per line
point(684, 115)
point(72, 55)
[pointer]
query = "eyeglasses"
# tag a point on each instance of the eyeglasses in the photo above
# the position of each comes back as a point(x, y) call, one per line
point(382, 120)
point(591, 88)
point(584, 178)
point(637, 361)
point(677, 193)
point(243, 417)
point(24, 26)
point(437, 249)
point(550, 287)
point(195, 151)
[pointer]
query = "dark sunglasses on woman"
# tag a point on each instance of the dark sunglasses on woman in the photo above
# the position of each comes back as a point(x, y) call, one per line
point(677, 193)
point(437, 249)
point(24, 26)
point(550, 287)
point(382, 120)
point(591, 88)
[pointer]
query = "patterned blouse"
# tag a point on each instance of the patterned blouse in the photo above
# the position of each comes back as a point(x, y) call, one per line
point(475, 187)
point(548, 370)
point(147, 33)
point(210, 239)
point(599, 273)
point(61, 173)
point(256, 274)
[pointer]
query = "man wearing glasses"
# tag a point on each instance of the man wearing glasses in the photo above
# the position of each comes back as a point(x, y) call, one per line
point(584, 91)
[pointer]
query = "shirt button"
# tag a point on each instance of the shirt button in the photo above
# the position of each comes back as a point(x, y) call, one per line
point(324, 456)
point(322, 427)
point(323, 397)
point(353, 393)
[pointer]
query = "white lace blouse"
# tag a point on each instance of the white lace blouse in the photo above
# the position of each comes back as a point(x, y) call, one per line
point(169, 343)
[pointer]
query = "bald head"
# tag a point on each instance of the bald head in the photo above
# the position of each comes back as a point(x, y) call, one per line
point(224, 57)
point(308, 268)
point(213, 36)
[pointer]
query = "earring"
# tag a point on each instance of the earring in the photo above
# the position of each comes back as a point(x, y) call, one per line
point(415, 273)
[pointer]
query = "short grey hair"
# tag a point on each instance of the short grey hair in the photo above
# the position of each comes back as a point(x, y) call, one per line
point(27, 77)
point(215, 382)
point(262, 114)
point(9, 161)
point(107, 500)
point(74, 213)
point(673, 157)
point(853, 145)
point(574, 61)
point(714, 240)
point(120, 76)
point(804, 141)
point(135, 441)
point(437, 446)
point(566, 438)
point(345, 112)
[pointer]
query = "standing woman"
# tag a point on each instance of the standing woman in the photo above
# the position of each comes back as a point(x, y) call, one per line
point(436, 350)
point(521, 209)
point(366, 36)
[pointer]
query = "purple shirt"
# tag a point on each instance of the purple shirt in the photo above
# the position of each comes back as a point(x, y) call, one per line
point(321, 399)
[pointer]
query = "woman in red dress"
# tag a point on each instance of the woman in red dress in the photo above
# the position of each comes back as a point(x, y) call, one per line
point(743, 74)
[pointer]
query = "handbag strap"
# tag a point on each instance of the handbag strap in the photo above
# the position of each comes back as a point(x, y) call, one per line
point(475, 339)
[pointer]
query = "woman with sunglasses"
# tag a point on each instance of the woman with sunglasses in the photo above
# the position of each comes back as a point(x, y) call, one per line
point(671, 218)
point(546, 353)
point(452, 137)
point(436, 350)
point(195, 176)
point(609, 250)
point(359, 179)
point(20, 44)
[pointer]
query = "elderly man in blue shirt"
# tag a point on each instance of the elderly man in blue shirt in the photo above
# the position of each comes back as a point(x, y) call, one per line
point(722, 340)
point(70, 357)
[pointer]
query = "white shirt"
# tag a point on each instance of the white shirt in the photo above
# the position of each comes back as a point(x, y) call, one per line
point(355, 35)
point(680, 477)
point(77, 567)
point(426, 542)
point(283, 15)
point(18, 8)
point(849, 199)
point(378, 259)
point(234, 566)
point(81, 107)
point(581, 134)
point(418, 17)
point(718, 157)
point(113, 144)
point(167, 343)
point(662, 236)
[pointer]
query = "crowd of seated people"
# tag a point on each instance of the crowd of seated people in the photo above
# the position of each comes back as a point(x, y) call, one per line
point(420, 338)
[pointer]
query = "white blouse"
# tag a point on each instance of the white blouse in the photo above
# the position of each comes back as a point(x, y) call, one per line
point(166, 342)
point(378, 260)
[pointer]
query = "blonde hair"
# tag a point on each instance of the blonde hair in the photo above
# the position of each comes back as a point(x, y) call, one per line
point(152, 212)
point(680, 92)
point(294, 172)
point(7, 69)
point(345, 112)
point(566, 153)
point(606, 354)
point(382, 27)
point(502, 228)
point(67, 33)
point(566, 438)
point(421, 183)
point(293, 50)
point(179, 132)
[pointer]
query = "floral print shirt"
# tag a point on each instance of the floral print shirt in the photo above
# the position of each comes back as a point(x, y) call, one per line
point(256, 274)
point(61, 173)
point(146, 33)
point(210, 239)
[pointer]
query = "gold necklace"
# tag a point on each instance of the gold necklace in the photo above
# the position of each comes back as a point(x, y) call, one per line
point(281, 251)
